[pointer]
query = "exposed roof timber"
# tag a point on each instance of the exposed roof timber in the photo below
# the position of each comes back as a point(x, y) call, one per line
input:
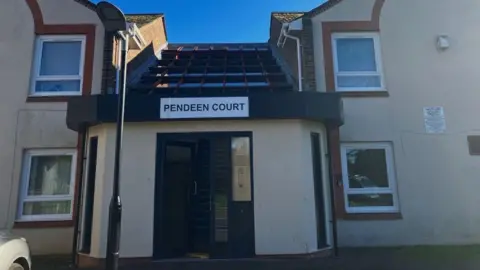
point(217, 46)
point(286, 17)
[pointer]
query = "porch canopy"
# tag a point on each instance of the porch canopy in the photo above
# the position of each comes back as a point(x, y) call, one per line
point(229, 82)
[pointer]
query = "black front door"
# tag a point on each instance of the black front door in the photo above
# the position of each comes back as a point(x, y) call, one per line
point(173, 196)
point(199, 202)
point(220, 172)
point(204, 198)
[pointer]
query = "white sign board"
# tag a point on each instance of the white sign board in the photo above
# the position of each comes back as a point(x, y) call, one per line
point(204, 107)
point(434, 119)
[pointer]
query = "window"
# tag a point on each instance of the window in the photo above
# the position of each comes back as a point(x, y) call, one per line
point(357, 62)
point(369, 178)
point(58, 66)
point(241, 177)
point(47, 185)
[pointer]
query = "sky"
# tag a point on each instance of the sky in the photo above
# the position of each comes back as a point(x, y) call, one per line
point(215, 21)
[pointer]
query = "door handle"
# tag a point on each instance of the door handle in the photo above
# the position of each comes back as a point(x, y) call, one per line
point(194, 187)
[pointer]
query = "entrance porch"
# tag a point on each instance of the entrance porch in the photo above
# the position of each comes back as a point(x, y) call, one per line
point(221, 158)
point(217, 189)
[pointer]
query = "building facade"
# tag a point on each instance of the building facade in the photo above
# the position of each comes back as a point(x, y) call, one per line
point(204, 174)
point(343, 129)
point(406, 73)
point(49, 52)
point(388, 157)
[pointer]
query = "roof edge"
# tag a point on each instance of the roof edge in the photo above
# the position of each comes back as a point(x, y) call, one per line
point(144, 14)
point(322, 8)
point(315, 11)
point(289, 12)
point(282, 16)
point(157, 16)
point(87, 4)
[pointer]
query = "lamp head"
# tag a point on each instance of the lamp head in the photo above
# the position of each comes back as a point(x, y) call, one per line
point(111, 16)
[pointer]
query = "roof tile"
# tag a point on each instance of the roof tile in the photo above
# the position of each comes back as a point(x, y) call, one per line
point(286, 17)
point(142, 19)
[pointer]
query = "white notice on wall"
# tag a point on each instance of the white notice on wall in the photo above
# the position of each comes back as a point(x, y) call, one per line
point(434, 119)
point(204, 107)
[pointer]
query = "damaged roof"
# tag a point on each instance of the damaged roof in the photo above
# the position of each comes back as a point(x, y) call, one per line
point(142, 19)
point(286, 17)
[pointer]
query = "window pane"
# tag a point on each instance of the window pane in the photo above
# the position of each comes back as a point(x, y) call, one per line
point(57, 86)
point(241, 178)
point(50, 175)
point(369, 200)
point(367, 168)
point(359, 81)
point(356, 54)
point(61, 58)
point(221, 235)
point(47, 208)
point(221, 218)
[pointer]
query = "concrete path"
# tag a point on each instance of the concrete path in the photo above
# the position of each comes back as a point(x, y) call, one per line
point(417, 258)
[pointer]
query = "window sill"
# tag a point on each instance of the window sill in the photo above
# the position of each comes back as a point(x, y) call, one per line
point(43, 224)
point(48, 98)
point(364, 93)
point(372, 216)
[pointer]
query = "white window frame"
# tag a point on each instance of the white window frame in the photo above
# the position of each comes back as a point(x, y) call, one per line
point(392, 187)
point(39, 198)
point(38, 60)
point(378, 61)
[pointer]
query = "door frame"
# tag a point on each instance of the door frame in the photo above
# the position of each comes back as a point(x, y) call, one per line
point(321, 202)
point(89, 182)
point(162, 139)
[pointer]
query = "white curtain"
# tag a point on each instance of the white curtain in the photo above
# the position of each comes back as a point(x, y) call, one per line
point(49, 176)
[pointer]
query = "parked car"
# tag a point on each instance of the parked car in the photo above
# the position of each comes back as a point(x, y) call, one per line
point(14, 252)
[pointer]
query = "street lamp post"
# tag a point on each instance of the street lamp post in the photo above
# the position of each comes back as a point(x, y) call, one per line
point(114, 22)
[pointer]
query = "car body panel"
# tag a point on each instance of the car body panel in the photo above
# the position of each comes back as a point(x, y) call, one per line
point(11, 249)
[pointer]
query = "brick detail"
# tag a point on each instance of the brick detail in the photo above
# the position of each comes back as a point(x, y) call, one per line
point(108, 70)
point(308, 56)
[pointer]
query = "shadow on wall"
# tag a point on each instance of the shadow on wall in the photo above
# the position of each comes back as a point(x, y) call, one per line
point(141, 58)
point(138, 64)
